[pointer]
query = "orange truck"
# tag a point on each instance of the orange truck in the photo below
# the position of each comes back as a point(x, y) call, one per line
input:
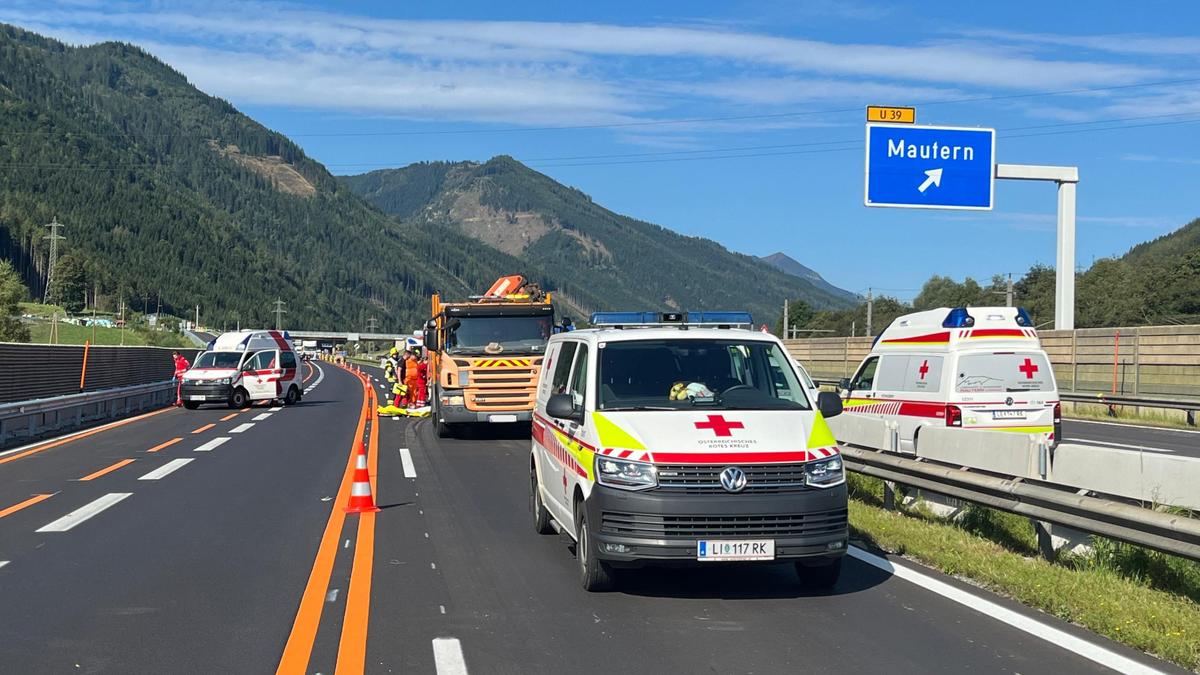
point(485, 354)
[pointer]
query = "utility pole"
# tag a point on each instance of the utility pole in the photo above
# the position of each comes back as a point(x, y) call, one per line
point(372, 325)
point(197, 326)
point(1009, 295)
point(157, 311)
point(279, 312)
point(54, 238)
point(870, 309)
point(122, 320)
point(785, 317)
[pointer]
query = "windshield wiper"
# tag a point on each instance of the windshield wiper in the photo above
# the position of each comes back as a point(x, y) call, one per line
point(639, 407)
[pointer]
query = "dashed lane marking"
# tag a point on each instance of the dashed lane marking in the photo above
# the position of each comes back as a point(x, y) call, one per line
point(275, 409)
point(261, 417)
point(410, 471)
point(85, 512)
point(448, 657)
point(204, 428)
point(168, 444)
point(27, 450)
point(107, 469)
point(26, 504)
point(214, 443)
point(230, 416)
point(3, 563)
point(1055, 636)
point(168, 468)
point(1118, 446)
point(242, 427)
point(331, 596)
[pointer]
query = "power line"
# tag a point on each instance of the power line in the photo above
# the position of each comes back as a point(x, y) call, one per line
point(54, 238)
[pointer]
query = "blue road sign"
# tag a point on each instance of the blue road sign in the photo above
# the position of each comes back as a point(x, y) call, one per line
point(930, 167)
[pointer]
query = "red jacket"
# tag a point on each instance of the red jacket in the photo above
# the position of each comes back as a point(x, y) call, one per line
point(181, 365)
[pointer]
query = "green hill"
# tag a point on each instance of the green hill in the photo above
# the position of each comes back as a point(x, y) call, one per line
point(597, 259)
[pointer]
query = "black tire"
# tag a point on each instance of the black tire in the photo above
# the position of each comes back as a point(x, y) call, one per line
point(239, 398)
point(822, 577)
point(191, 405)
point(293, 396)
point(594, 574)
point(541, 517)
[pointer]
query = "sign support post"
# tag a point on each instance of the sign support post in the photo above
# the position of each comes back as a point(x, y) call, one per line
point(1066, 177)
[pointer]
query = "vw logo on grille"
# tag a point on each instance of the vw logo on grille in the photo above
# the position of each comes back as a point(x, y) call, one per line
point(733, 479)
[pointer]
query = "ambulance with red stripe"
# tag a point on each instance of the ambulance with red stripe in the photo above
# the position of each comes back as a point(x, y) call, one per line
point(685, 438)
point(968, 367)
point(245, 366)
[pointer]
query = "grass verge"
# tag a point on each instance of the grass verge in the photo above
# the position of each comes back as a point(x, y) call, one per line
point(1137, 597)
point(70, 334)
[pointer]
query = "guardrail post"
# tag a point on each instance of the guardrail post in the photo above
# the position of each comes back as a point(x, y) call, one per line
point(1191, 418)
point(889, 495)
point(1045, 539)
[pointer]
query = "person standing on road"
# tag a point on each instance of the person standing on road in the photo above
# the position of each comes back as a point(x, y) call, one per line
point(181, 367)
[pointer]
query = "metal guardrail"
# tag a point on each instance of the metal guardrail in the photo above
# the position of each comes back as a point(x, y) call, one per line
point(1166, 532)
point(29, 420)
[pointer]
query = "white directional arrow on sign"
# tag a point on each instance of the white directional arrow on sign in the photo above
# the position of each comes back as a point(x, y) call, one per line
point(934, 178)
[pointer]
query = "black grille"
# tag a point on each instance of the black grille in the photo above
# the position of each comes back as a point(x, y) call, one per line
point(774, 525)
point(767, 478)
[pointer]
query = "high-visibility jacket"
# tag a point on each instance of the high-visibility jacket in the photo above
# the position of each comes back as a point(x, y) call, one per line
point(181, 365)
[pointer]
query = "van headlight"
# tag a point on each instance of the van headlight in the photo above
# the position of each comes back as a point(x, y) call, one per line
point(825, 472)
point(224, 380)
point(624, 474)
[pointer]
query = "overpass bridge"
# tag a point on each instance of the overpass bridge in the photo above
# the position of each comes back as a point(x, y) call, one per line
point(346, 336)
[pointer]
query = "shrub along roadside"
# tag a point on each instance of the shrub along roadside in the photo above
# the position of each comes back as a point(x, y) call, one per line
point(1111, 593)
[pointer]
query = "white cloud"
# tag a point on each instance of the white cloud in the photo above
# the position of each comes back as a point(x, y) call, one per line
point(1154, 45)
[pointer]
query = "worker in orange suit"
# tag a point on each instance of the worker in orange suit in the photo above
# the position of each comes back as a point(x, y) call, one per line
point(412, 376)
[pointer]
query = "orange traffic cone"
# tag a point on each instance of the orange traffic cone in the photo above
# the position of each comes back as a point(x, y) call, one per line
point(361, 500)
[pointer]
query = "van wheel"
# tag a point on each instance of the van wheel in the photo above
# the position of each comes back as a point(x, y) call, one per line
point(238, 398)
point(594, 574)
point(191, 405)
point(293, 396)
point(541, 517)
point(822, 577)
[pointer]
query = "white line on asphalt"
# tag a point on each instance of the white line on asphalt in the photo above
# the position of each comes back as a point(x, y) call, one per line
point(168, 468)
point(442, 609)
point(410, 471)
point(331, 596)
point(320, 376)
point(433, 566)
point(212, 444)
point(242, 427)
point(3, 563)
point(276, 409)
point(84, 512)
point(347, 544)
point(1133, 426)
point(263, 416)
point(1110, 444)
point(448, 657)
point(1055, 636)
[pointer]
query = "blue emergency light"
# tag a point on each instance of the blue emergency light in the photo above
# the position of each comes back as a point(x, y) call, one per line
point(958, 318)
point(621, 319)
point(1023, 318)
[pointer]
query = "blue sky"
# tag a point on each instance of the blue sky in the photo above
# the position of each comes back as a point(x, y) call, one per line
point(738, 121)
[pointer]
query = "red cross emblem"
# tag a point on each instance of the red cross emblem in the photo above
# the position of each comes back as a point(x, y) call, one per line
point(719, 425)
point(924, 368)
point(1029, 368)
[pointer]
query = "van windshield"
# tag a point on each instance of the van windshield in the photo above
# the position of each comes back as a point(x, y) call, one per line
point(688, 374)
point(218, 360)
point(1003, 372)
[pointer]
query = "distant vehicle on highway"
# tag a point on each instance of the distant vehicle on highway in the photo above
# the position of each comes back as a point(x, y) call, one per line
point(685, 439)
point(967, 367)
point(307, 349)
point(244, 366)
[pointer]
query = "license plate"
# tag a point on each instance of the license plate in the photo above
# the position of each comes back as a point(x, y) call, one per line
point(748, 549)
point(502, 418)
point(196, 398)
point(1008, 414)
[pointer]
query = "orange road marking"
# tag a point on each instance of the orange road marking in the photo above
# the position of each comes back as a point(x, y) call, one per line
point(169, 443)
point(204, 428)
point(352, 649)
point(28, 502)
point(62, 441)
point(298, 650)
point(107, 469)
point(231, 416)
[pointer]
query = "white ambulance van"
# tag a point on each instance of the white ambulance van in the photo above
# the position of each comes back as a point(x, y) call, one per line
point(966, 367)
point(685, 439)
point(245, 366)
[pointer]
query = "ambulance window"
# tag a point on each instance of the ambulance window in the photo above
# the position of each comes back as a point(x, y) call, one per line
point(288, 359)
point(579, 377)
point(865, 379)
point(1003, 372)
point(261, 360)
point(782, 390)
point(562, 369)
point(737, 361)
point(924, 374)
point(890, 374)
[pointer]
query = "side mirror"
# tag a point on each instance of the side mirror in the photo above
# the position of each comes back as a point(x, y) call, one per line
point(844, 383)
point(829, 403)
point(431, 339)
point(561, 406)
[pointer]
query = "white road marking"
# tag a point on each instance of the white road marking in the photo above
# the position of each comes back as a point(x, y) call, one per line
point(168, 468)
point(84, 512)
point(212, 444)
point(347, 544)
point(3, 563)
point(263, 416)
point(442, 609)
point(1119, 446)
point(276, 409)
point(242, 427)
point(320, 376)
point(410, 471)
point(1074, 420)
point(1060, 638)
point(331, 596)
point(448, 657)
point(433, 566)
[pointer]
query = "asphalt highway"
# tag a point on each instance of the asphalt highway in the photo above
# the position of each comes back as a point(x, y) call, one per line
point(1129, 437)
point(204, 555)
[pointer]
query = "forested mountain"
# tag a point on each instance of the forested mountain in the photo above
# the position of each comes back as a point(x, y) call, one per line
point(787, 263)
point(595, 258)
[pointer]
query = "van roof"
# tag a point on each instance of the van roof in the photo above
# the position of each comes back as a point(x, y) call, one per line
point(659, 333)
point(947, 329)
point(251, 339)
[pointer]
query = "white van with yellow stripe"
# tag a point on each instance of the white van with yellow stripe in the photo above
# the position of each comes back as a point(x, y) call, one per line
point(685, 438)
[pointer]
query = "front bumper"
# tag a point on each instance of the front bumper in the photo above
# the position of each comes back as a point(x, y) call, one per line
point(664, 528)
point(458, 414)
point(204, 392)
